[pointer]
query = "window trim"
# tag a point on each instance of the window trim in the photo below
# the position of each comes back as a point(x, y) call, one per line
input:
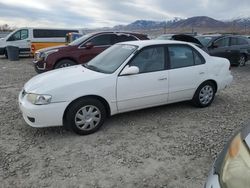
point(140, 50)
point(191, 48)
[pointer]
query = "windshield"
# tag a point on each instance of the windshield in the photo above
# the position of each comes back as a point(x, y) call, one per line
point(205, 40)
point(80, 40)
point(111, 59)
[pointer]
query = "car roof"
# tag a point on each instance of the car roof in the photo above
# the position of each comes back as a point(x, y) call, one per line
point(144, 43)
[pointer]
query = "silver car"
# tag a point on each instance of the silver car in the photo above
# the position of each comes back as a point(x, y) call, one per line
point(232, 167)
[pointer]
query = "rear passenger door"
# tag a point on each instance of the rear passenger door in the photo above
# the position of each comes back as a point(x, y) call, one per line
point(100, 43)
point(186, 71)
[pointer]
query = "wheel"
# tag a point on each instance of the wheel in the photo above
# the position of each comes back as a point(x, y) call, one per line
point(204, 95)
point(85, 116)
point(242, 60)
point(64, 63)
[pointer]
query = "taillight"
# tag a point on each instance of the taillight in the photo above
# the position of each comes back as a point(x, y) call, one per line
point(33, 48)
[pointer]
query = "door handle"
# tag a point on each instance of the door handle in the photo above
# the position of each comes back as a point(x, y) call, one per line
point(28, 40)
point(161, 79)
point(202, 73)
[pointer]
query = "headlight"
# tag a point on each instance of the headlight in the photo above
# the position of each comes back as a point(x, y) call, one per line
point(39, 99)
point(47, 53)
point(39, 56)
point(236, 168)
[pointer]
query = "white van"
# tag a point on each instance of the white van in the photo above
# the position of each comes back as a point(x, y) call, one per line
point(43, 37)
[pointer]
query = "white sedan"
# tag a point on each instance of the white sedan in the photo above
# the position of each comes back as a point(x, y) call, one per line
point(127, 76)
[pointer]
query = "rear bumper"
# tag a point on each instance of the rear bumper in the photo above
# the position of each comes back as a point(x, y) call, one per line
point(225, 82)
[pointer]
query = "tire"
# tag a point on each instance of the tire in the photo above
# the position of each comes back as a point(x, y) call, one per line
point(6, 54)
point(64, 63)
point(85, 116)
point(242, 60)
point(204, 95)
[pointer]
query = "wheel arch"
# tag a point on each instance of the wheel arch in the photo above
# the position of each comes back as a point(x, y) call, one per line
point(212, 81)
point(101, 99)
point(64, 58)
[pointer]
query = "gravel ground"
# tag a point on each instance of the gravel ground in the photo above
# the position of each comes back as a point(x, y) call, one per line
point(169, 146)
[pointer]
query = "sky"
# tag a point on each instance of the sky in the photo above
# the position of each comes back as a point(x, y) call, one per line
point(107, 13)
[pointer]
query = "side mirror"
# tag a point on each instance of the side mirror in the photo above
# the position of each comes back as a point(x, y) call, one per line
point(89, 45)
point(130, 70)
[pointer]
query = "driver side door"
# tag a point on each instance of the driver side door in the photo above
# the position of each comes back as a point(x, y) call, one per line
point(147, 88)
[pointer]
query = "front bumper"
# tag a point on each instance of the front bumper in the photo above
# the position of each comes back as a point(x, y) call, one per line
point(40, 66)
point(49, 115)
point(212, 180)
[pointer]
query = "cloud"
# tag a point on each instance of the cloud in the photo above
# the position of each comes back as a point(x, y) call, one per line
point(106, 13)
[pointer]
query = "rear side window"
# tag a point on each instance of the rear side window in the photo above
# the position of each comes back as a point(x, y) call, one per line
point(124, 38)
point(102, 40)
point(49, 33)
point(183, 56)
point(238, 41)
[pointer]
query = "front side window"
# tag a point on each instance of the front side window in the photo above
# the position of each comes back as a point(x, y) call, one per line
point(222, 42)
point(24, 34)
point(150, 59)
point(19, 35)
point(183, 56)
point(102, 40)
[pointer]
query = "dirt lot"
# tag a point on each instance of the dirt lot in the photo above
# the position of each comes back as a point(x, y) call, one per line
point(169, 146)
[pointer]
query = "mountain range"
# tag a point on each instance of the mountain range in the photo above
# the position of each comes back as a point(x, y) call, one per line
point(198, 23)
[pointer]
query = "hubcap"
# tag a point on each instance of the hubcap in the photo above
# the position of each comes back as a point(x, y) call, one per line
point(242, 60)
point(87, 118)
point(206, 94)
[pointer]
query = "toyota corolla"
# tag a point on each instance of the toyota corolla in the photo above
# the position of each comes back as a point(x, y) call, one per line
point(127, 76)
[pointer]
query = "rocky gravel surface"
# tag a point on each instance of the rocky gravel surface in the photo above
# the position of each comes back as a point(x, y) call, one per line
point(171, 146)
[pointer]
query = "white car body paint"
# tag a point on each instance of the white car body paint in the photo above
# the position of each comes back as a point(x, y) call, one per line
point(122, 93)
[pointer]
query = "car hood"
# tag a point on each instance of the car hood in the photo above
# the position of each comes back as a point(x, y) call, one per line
point(47, 82)
point(186, 38)
point(62, 47)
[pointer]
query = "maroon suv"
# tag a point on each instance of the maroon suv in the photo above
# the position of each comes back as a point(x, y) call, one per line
point(81, 50)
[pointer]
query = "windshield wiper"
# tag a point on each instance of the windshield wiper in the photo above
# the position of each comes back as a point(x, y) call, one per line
point(91, 67)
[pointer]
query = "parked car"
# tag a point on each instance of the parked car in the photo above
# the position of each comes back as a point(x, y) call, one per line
point(235, 48)
point(31, 39)
point(184, 38)
point(231, 169)
point(81, 50)
point(127, 76)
